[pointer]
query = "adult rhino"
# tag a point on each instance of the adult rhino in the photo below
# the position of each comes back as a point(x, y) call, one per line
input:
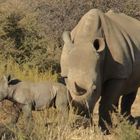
point(101, 57)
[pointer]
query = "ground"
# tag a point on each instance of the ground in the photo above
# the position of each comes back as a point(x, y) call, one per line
point(69, 134)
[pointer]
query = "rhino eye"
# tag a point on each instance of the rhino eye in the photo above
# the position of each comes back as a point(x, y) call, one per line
point(96, 44)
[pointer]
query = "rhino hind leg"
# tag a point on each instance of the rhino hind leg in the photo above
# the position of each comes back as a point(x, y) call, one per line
point(126, 104)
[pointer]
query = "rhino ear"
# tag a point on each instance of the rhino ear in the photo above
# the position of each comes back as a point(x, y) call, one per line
point(66, 37)
point(5, 81)
point(99, 44)
point(66, 52)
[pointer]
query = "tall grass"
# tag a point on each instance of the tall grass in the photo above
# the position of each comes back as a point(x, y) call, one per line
point(25, 72)
point(64, 131)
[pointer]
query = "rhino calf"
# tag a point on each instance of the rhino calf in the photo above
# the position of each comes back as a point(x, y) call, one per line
point(28, 96)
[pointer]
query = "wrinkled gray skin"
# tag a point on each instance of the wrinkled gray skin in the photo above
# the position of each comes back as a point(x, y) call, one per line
point(101, 57)
point(28, 96)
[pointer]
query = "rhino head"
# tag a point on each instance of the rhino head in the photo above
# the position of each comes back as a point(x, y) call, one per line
point(81, 65)
point(3, 88)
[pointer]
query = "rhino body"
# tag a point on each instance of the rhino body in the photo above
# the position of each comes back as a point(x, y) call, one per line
point(28, 96)
point(39, 95)
point(101, 57)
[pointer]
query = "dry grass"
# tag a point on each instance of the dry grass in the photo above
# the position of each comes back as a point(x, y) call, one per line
point(63, 129)
point(25, 72)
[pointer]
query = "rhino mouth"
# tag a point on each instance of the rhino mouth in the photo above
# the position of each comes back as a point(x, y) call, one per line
point(80, 93)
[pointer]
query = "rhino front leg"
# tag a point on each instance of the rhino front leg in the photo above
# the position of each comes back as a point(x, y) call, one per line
point(27, 114)
point(16, 110)
point(62, 105)
point(16, 113)
point(109, 98)
point(126, 104)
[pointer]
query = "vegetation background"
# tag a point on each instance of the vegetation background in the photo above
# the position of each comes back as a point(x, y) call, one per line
point(30, 48)
point(30, 30)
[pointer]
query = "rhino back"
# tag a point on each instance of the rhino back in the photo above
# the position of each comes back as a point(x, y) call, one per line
point(39, 94)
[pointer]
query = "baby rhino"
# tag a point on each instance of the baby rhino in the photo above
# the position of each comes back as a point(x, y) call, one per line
point(28, 96)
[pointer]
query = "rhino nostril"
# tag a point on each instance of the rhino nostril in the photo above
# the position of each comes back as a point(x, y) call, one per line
point(79, 89)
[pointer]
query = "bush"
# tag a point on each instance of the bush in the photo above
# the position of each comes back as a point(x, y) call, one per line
point(30, 31)
point(22, 37)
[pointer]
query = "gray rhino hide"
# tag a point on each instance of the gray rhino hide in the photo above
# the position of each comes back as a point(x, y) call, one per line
point(41, 95)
